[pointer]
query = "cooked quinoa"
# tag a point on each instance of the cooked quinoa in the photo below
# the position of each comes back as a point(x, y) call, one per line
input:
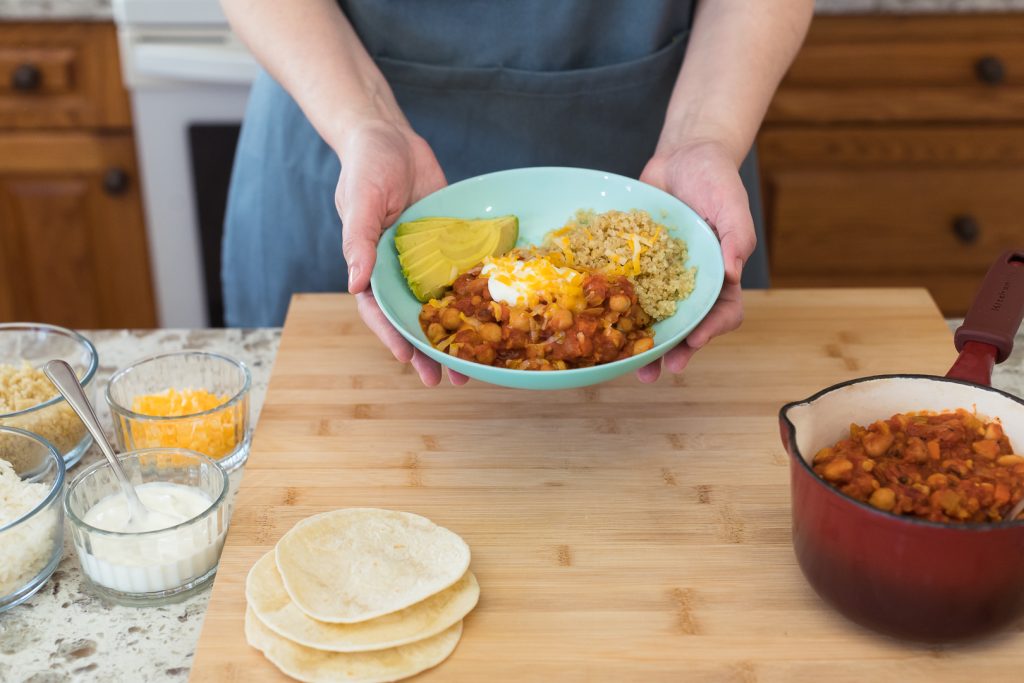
point(628, 243)
point(23, 386)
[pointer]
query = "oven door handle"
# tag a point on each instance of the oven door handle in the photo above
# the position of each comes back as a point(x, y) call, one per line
point(194, 63)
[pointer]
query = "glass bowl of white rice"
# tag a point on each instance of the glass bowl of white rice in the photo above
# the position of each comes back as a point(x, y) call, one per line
point(31, 515)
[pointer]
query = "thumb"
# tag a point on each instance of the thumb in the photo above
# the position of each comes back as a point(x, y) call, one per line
point(362, 221)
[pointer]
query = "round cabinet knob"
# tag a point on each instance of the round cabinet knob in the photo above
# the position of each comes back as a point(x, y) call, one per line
point(990, 70)
point(115, 180)
point(966, 229)
point(26, 78)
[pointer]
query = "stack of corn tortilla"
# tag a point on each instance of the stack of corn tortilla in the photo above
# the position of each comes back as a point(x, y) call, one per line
point(361, 595)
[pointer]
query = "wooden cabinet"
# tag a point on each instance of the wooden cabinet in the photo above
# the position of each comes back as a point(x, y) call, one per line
point(893, 154)
point(72, 237)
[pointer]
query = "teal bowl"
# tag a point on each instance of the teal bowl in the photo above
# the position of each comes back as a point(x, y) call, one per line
point(544, 199)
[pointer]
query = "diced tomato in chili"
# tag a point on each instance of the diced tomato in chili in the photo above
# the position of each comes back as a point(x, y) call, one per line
point(948, 467)
point(467, 323)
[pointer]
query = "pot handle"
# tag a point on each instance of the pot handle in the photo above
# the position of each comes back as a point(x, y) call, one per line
point(995, 315)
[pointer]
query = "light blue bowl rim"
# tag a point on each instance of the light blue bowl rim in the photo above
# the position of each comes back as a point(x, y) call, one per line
point(652, 354)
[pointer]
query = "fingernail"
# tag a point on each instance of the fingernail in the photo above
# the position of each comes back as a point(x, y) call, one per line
point(353, 275)
point(739, 267)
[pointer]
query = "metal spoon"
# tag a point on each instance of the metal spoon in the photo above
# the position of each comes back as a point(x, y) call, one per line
point(1014, 512)
point(64, 378)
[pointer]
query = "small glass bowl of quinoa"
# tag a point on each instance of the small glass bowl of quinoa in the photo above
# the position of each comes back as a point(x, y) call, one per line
point(28, 400)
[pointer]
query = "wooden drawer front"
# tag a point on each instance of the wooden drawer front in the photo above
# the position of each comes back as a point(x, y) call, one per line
point(936, 69)
point(60, 76)
point(896, 226)
point(894, 220)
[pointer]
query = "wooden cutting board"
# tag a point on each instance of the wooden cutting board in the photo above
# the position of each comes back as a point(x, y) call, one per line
point(623, 532)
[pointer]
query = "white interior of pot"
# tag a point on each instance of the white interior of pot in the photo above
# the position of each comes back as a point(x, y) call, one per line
point(826, 420)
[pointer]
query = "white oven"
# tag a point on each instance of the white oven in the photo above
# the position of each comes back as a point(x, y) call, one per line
point(189, 79)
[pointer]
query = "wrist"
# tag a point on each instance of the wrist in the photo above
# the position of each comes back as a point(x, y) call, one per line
point(374, 109)
point(689, 131)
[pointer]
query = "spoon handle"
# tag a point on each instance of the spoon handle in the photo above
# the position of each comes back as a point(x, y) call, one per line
point(64, 378)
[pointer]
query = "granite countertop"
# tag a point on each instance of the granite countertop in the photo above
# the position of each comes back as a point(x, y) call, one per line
point(66, 632)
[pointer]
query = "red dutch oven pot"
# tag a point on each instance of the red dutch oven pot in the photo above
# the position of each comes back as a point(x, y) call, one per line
point(895, 574)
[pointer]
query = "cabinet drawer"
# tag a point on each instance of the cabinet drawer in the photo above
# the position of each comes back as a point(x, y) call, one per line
point(60, 75)
point(894, 220)
point(937, 68)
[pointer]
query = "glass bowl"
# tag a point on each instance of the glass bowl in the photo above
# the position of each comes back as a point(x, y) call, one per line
point(221, 432)
point(31, 545)
point(151, 567)
point(52, 419)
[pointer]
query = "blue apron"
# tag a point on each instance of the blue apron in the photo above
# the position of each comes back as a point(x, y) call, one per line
point(490, 85)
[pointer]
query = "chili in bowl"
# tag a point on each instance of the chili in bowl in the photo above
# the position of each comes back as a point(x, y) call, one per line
point(900, 484)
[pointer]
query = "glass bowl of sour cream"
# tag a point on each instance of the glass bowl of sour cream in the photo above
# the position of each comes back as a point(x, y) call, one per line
point(175, 552)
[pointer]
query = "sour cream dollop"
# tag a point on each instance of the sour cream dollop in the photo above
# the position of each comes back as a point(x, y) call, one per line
point(521, 283)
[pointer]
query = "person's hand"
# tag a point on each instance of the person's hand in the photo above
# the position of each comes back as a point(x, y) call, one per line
point(385, 168)
point(706, 178)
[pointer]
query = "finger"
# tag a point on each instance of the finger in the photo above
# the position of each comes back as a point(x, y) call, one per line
point(678, 358)
point(374, 318)
point(650, 372)
point(361, 227)
point(457, 378)
point(428, 370)
point(726, 316)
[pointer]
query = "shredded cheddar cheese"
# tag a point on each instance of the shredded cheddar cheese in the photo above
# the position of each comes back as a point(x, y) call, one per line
point(213, 434)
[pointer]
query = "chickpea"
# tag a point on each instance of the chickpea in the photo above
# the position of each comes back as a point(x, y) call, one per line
point(837, 469)
point(876, 443)
point(490, 332)
point(867, 465)
point(519, 320)
point(625, 324)
point(883, 499)
point(451, 319)
point(1009, 460)
point(619, 303)
point(436, 333)
point(937, 480)
point(616, 337)
point(486, 354)
point(561, 318)
point(642, 344)
point(824, 454)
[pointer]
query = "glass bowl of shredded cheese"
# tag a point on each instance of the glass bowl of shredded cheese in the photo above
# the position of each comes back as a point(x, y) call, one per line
point(191, 399)
point(31, 516)
point(28, 400)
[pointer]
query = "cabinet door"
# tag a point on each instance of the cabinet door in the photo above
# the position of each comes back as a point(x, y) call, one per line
point(72, 237)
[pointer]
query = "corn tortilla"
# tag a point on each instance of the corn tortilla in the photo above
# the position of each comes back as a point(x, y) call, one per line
point(267, 597)
point(357, 564)
point(380, 666)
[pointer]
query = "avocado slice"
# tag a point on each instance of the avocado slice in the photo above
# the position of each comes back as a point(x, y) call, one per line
point(434, 251)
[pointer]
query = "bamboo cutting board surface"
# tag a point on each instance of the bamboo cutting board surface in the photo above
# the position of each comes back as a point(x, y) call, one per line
point(623, 532)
